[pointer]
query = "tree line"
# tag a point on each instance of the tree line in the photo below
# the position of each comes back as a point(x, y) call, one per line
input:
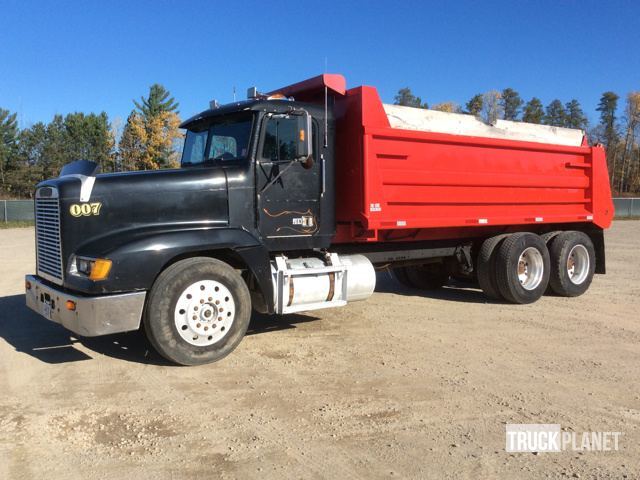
point(618, 131)
point(150, 137)
point(147, 141)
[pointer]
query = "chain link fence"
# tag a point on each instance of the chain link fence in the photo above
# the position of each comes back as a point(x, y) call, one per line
point(627, 207)
point(16, 211)
point(22, 210)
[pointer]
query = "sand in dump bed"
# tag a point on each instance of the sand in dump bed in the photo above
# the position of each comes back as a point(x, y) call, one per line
point(425, 120)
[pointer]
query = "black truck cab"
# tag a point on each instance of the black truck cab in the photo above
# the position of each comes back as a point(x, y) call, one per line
point(251, 208)
point(279, 183)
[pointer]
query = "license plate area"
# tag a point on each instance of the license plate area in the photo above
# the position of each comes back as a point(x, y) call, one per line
point(47, 305)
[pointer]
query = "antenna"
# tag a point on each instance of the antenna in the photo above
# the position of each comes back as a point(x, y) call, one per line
point(234, 93)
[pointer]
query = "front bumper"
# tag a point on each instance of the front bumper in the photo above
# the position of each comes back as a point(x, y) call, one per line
point(93, 316)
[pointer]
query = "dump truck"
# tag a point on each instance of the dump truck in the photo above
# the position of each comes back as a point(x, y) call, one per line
point(291, 200)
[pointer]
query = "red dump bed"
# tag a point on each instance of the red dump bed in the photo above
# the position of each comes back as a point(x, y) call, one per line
point(400, 184)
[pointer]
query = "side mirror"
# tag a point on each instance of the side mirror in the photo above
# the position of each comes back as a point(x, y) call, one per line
point(303, 146)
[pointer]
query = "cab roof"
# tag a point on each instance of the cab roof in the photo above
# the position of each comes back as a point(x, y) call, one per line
point(264, 105)
point(310, 91)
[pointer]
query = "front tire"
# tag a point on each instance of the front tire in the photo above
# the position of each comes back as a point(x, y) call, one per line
point(573, 263)
point(197, 312)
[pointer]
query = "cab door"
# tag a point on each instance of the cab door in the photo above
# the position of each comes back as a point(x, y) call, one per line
point(288, 189)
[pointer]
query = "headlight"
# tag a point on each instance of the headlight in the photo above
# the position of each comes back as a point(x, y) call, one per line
point(94, 268)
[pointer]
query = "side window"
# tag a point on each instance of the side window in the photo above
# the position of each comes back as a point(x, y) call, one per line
point(222, 146)
point(280, 139)
point(194, 147)
point(229, 139)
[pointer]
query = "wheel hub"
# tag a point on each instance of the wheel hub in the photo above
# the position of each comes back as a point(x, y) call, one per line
point(204, 312)
point(578, 264)
point(530, 268)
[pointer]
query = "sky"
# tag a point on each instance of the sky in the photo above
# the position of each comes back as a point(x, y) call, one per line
point(93, 56)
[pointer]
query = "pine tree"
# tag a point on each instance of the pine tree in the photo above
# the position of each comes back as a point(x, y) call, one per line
point(158, 101)
point(89, 138)
point(575, 117)
point(8, 140)
point(405, 98)
point(607, 108)
point(533, 111)
point(511, 103)
point(608, 130)
point(56, 150)
point(474, 106)
point(130, 147)
point(555, 114)
point(29, 162)
point(147, 142)
point(152, 128)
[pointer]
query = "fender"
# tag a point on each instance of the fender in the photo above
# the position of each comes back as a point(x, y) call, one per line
point(139, 256)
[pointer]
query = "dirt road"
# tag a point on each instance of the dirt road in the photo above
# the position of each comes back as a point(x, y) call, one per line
point(403, 385)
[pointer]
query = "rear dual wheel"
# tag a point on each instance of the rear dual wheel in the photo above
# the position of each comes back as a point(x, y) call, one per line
point(514, 267)
point(572, 263)
point(521, 266)
point(486, 266)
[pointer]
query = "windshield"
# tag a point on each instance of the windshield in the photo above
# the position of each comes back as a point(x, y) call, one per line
point(223, 139)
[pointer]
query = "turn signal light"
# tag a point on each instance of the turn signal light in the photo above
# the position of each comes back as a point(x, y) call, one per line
point(101, 269)
point(71, 305)
point(27, 284)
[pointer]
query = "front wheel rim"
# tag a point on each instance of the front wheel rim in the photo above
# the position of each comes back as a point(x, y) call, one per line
point(204, 313)
point(578, 264)
point(530, 268)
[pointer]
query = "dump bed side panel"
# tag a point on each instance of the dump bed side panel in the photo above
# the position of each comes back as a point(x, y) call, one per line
point(433, 180)
point(397, 179)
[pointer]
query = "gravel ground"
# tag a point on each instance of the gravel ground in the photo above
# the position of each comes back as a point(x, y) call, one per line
point(403, 385)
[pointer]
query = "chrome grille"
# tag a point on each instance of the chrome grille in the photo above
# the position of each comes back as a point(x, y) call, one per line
point(48, 245)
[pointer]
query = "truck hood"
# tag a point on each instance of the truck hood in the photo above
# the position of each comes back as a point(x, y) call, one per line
point(98, 214)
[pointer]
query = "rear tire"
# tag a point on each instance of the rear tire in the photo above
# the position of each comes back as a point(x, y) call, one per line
point(197, 312)
point(549, 236)
point(522, 268)
point(573, 263)
point(486, 266)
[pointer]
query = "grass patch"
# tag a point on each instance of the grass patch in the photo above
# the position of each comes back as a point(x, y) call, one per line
point(16, 224)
